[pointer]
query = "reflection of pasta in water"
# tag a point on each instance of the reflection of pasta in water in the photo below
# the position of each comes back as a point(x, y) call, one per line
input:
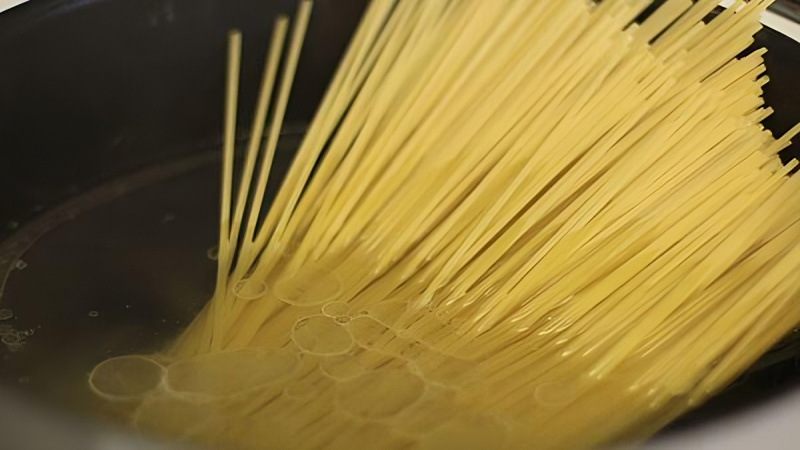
point(523, 223)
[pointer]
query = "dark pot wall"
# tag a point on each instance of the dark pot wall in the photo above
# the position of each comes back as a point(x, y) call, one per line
point(93, 89)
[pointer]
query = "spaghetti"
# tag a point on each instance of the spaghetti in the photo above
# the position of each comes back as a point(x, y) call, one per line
point(511, 223)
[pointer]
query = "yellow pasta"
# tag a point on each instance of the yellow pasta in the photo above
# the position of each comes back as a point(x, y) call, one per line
point(511, 224)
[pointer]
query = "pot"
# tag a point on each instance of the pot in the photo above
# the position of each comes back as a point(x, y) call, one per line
point(111, 123)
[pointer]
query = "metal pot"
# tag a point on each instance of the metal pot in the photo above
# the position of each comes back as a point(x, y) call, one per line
point(110, 119)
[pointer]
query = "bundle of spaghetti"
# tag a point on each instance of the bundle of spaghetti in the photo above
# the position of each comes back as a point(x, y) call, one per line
point(511, 223)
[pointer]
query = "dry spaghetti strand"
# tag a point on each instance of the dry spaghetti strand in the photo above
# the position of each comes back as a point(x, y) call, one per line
point(510, 224)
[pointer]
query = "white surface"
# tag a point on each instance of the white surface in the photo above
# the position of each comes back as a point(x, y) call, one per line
point(772, 426)
point(782, 24)
point(774, 21)
point(6, 4)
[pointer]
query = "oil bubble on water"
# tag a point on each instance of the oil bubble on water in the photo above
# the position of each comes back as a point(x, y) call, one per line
point(6, 314)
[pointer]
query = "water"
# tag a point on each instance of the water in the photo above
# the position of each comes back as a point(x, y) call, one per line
point(149, 277)
point(117, 279)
